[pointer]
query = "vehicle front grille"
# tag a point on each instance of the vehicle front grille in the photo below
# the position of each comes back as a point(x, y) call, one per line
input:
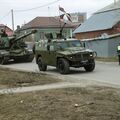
point(82, 56)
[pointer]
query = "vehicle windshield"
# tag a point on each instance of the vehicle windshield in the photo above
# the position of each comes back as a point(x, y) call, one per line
point(67, 44)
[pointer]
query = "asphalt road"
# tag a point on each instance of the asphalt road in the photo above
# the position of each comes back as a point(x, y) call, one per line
point(104, 72)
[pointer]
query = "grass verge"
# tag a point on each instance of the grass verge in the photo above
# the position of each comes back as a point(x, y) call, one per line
point(105, 59)
point(91, 103)
point(12, 78)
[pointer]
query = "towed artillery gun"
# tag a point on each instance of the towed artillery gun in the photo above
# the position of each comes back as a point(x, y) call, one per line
point(15, 48)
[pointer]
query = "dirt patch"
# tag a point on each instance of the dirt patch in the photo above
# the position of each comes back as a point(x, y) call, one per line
point(91, 103)
point(12, 78)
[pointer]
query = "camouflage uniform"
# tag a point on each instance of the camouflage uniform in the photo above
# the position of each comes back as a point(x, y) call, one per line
point(3, 33)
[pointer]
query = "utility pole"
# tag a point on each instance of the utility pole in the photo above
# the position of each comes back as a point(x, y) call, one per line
point(12, 19)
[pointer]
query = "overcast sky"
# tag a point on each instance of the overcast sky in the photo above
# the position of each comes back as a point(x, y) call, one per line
point(21, 17)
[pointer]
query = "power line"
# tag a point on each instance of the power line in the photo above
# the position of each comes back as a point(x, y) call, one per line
point(12, 12)
point(37, 7)
point(5, 15)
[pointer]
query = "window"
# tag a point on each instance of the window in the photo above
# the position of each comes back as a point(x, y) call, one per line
point(42, 35)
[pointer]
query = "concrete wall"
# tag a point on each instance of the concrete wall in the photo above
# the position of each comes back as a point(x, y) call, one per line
point(104, 47)
point(100, 46)
point(112, 46)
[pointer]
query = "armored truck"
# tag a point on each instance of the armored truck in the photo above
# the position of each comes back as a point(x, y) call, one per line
point(63, 54)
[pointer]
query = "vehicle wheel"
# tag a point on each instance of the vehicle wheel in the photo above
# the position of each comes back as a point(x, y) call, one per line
point(33, 49)
point(63, 66)
point(0, 60)
point(90, 67)
point(30, 58)
point(42, 66)
point(3, 61)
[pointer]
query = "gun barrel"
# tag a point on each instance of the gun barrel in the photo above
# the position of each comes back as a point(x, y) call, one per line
point(25, 35)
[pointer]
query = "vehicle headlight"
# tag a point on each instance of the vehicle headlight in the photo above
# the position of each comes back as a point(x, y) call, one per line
point(94, 54)
point(91, 55)
point(70, 57)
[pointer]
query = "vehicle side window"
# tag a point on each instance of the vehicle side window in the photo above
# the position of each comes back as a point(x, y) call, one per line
point(50, 47)
point(42, 35)
point(41, 45)
point(75, 44)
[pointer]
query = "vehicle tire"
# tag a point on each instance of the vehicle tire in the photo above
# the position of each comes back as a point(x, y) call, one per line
point(90, 67)
point(33, 49)
point(0, 60)
point(30, 58)
point(63, 66)
point(42, 66)
point(3, 61)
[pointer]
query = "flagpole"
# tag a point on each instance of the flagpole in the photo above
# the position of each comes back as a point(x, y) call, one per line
point(59, 17)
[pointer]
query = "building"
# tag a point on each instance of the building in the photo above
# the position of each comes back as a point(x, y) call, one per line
point(101, 32)
point(78, 17)
point(105, 21)
point(49, 25)
point(8, 31)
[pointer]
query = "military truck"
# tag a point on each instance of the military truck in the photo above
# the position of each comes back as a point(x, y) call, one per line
point(63, 54)
point(14, 48)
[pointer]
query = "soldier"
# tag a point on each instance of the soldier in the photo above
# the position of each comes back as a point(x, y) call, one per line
point(3, 33)
point(118, 51)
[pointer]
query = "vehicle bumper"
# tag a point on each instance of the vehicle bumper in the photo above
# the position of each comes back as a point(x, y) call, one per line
point(81, 63)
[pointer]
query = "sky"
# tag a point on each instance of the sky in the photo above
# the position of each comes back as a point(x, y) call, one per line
point(23, 10)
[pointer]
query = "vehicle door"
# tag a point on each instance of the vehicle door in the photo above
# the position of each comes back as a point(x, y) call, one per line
point(50, 54)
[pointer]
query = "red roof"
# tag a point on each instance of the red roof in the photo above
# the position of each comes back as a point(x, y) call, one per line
point(1, 25)
point(8, 31)
point(46, 22)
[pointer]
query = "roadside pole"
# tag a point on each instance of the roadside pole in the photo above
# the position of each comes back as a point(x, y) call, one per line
point(12, 19)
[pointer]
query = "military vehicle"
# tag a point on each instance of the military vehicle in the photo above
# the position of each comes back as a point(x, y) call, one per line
point(14, 48)
point(63, 53)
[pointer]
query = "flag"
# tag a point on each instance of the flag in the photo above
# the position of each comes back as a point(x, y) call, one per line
point(62, 16)
point(68, 17)
point(65, 14)
point(61, 9)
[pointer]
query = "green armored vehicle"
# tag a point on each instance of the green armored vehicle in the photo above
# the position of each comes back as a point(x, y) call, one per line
point(63, 53)
point(14, 48)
